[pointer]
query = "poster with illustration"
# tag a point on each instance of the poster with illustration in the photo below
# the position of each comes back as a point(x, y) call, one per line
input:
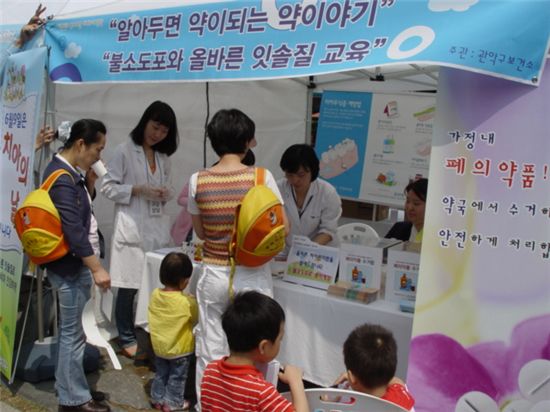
point(370, 146)
point(361, 265)
point(311, 264)
point(341, 139)
point(402, 274)
point(481, 333)
point(398, 147)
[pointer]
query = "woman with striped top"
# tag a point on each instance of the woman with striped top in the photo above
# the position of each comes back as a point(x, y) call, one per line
point(214, 194)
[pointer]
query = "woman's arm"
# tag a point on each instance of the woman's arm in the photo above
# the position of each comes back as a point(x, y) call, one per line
point(114, 185)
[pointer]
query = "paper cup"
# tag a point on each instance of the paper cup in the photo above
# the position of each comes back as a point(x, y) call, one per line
point(99, 168)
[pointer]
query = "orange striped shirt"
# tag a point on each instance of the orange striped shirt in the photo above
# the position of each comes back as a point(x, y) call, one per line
point(226, 387)
point(217, 197)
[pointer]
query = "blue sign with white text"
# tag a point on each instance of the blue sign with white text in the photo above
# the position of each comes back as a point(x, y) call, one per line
point(341, 141)
point(270, 39)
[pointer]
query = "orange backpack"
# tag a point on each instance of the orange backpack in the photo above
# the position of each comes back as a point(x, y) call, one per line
point(259, 230)
point(38, 224)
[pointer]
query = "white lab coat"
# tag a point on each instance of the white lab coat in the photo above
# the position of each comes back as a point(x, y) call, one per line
point(135, 232)
point(320, 214)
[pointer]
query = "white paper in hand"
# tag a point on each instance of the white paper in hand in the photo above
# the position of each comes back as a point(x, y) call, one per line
point(93, 334)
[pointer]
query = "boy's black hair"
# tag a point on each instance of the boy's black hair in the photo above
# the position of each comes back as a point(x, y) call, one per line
point(370, 353)
point(174, 267)
point(251, 318)
point(419, 188)
point(159, 112)
point(229, 131)
point(300, 155)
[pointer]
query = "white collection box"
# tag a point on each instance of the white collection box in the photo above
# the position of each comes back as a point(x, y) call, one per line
point(402, 272)
point(361, 265)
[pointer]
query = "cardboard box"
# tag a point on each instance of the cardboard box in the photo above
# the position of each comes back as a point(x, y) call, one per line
point(353, 291)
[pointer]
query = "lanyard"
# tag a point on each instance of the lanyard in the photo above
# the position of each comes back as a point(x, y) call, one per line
point(303, 209)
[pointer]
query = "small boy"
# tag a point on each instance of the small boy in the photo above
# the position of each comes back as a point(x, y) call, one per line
point(370, 356)
point(254, 326)
point(172, 315)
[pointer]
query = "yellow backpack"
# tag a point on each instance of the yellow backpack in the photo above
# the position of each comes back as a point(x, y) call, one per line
point(259, 230)
point(38, 224)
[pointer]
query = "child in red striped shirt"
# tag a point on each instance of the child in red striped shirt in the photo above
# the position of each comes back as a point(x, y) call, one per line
point(254, 326)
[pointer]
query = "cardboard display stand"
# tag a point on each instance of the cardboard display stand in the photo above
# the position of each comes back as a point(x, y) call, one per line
point(311, 264)
point(402, 272)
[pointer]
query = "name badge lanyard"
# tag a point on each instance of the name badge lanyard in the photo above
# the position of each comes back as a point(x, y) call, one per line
point(155, 206)
point(303, 209)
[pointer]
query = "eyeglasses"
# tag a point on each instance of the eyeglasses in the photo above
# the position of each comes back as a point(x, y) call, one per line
point(299, 175)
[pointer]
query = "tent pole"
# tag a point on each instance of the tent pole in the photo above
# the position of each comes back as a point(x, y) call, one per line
point(309, 110)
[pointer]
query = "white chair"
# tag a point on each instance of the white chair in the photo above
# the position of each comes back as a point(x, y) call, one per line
point(329, 399)
point(357, 233)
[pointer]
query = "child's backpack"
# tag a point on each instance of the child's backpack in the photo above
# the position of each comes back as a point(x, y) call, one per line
point(38, 224)
point(259, 231)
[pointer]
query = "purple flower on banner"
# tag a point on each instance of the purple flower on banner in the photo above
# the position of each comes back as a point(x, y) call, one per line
point(442, 371)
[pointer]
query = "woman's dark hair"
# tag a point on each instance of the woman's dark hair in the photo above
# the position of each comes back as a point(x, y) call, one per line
point(419, 188)
point(174, 267)
point(249, 159)
point(300, 155)
point(86, 129)
point(158, 112)
point(230, 131)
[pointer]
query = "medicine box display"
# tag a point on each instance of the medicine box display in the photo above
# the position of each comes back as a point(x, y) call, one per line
point(361, 265)
point(402, 272)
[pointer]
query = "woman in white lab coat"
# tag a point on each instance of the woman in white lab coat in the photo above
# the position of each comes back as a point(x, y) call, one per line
point(312, 205)
point(139, 182)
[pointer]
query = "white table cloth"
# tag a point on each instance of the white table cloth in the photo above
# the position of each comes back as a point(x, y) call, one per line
point(316, 324)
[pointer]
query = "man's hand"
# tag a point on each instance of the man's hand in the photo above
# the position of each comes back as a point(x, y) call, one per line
point(29, 29)
point(44, 137)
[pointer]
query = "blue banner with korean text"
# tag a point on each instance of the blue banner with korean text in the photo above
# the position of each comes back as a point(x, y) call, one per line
point(239, 40)
point(21, 91)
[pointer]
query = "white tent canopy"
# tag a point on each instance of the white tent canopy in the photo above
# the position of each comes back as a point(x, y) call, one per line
point(280, 107)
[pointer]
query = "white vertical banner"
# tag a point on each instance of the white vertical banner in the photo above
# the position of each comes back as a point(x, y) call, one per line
point(481, 333)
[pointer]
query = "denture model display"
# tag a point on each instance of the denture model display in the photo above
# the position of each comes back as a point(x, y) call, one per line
point(338, 159)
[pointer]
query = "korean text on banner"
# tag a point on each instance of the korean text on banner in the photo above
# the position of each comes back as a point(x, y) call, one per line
point(21, 95)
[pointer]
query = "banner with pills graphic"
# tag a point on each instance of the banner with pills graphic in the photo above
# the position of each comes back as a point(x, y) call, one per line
point(21, 90)
point(235, 40)
point(481, 332)
point(370, 146)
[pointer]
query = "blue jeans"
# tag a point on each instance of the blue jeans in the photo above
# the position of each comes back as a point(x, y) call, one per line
point(168, 386)
point(124, 316)
point(70, 379)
